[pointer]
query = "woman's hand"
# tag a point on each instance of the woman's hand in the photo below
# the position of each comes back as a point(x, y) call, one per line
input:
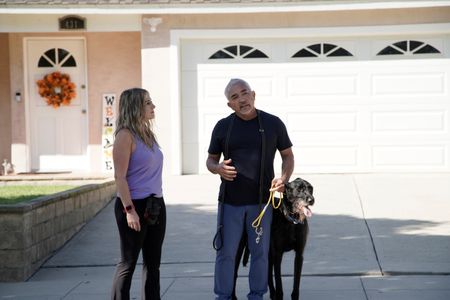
point(133, 220)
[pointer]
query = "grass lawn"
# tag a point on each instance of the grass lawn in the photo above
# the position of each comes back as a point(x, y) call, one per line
point(19, 193)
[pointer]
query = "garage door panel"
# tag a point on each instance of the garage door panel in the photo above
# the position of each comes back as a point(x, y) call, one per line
point(407, 84)
point(326, 155)
point(413, 156)
point(212, 89)
point(409, 121)
point(323, 121)
point(264, 86)
point(213, 85)
point(335, 84)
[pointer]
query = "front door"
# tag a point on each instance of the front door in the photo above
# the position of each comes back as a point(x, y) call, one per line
point(58, 134)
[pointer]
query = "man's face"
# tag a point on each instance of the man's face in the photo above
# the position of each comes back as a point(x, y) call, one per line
point(242, 101)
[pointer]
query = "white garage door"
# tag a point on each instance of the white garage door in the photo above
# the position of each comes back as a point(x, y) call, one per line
point(343, 115)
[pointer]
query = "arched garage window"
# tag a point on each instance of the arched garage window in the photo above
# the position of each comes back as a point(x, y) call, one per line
point(56, 57)
point(238, 51)
point(322, 50)
point(408, 47)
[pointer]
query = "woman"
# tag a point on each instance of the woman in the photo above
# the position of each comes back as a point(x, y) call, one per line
point(139, 209)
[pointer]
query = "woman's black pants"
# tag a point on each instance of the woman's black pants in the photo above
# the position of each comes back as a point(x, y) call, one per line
point(150, 240)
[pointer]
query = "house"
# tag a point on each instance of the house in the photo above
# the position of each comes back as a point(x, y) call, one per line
point(363, 86)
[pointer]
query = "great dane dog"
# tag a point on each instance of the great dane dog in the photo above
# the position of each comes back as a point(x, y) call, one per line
point(289, 232)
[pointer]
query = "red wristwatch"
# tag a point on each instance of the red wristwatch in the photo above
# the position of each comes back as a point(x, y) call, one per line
point(129, 208)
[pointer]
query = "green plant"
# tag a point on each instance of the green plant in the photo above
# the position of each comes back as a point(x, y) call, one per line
point(18, 193)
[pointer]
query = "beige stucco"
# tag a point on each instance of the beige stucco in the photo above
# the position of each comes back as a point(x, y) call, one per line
point(113, 64)
point(308, 19)
point(5, 100)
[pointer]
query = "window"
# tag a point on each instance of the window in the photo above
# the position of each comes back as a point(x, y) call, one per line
point(408, 47)
point(238, 51)
point(56, 57)
point(322, 50)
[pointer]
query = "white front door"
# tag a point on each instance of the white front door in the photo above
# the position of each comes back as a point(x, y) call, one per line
point(58, 136)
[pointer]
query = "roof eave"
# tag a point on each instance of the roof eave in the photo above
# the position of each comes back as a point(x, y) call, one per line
point(217, 8)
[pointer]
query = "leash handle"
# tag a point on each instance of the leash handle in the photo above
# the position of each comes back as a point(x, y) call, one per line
point(218, 236)
point(257, 222)
point(272, 196)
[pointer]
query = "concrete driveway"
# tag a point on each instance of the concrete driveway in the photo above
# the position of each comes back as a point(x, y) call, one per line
point(372, 236)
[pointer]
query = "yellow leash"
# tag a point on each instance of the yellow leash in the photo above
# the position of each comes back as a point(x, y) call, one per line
point(257, 221)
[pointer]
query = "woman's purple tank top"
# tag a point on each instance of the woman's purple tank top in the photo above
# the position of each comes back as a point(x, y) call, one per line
point(144, 175)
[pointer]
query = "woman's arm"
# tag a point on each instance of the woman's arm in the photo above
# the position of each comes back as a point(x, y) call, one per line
point(123, 147)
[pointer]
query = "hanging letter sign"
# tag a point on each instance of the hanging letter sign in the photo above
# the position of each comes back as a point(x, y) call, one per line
point(109, 126)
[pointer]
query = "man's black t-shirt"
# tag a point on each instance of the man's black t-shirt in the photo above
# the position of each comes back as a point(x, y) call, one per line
point(244, 149)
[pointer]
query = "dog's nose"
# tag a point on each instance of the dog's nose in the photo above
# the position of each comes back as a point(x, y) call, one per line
point(310, 200)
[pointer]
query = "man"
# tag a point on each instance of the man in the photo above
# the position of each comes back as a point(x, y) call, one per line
point(248, 139)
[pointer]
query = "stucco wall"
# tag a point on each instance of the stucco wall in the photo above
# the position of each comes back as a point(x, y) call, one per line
point(113, 64)
point(5, 100)
point(308, 19)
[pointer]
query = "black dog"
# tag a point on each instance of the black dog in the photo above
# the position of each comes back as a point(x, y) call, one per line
point(289, 232)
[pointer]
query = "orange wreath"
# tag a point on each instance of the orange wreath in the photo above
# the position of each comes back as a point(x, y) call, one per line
point(57, 89)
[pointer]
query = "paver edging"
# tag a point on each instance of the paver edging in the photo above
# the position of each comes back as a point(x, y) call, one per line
point(30, 232)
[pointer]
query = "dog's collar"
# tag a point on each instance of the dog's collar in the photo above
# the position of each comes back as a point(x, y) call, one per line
point(293, 220)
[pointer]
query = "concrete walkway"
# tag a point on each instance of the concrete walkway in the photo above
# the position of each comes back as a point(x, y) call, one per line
point(372, 236)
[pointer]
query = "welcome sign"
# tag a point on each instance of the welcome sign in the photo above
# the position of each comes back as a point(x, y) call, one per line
point(108, 128)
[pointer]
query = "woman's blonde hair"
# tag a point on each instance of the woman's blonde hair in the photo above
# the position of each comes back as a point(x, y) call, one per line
point(132, 115)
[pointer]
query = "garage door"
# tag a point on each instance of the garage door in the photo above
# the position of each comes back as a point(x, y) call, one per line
point(343, 113)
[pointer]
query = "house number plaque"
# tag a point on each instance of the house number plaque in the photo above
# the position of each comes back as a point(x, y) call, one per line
point(72, 23)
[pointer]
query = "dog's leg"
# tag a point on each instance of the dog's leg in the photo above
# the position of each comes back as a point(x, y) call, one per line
point(270, 276)
point(297, 275)
point(277, 271)
point(298, 265)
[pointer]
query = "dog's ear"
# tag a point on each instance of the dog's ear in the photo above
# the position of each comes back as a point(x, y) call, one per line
point(308, 186)
point(310, 189)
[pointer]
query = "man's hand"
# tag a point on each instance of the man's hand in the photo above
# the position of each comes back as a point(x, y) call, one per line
point(226, 171)
point(277, 185)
